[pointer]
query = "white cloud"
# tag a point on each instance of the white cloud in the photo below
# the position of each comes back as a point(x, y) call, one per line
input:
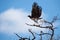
point(13, 21)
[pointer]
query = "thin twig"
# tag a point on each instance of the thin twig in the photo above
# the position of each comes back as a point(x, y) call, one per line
point(20, 38)
point(32, 34)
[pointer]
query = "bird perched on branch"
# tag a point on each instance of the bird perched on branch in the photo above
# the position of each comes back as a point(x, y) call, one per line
point(36, 12)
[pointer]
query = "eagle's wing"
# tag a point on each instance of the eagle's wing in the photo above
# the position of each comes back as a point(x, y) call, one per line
point(39, 10)
point(36, 11)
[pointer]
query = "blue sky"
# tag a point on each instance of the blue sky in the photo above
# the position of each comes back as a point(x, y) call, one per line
point(11, 12)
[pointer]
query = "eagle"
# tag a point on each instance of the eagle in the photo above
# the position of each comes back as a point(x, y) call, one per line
point(36, 12)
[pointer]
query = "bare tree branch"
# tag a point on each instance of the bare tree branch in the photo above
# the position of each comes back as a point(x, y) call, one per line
point(55, 19)
point(17, 35)
point(49, 27)
point(21, 38)
point(43, 33)
point(32, 34)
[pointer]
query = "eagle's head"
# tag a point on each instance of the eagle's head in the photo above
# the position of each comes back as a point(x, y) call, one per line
point(29, 16)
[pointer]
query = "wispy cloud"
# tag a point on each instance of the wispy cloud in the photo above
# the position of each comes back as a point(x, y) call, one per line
point(13, 21)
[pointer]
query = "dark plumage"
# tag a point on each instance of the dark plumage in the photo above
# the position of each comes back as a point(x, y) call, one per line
point(36, 12)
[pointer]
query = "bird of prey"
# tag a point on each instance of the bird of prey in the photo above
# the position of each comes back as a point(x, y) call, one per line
point(36, 12)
